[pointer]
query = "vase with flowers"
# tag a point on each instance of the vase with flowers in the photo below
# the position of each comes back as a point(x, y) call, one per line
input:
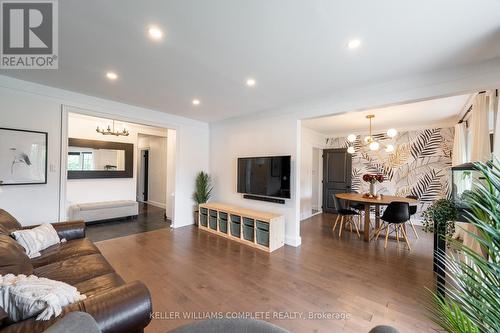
point(373, 179)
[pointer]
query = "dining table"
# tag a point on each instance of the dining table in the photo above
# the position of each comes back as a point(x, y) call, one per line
point(376, 202)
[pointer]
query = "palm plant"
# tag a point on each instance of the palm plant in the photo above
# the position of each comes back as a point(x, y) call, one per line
point(471, 302)
point(203, 188)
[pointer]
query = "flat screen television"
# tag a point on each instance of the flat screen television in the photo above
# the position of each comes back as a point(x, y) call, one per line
point(264, 176)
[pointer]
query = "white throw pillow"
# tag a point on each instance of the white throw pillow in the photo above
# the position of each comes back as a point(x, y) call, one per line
point(36, 239)
point(24, 296)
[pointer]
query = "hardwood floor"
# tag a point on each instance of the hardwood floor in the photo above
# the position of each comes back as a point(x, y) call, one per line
point(149, 218)
point(188, 270)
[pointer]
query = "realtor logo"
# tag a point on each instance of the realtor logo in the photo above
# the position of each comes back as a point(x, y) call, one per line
point(29, 34)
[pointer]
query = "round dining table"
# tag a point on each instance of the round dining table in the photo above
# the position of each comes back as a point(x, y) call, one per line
point(382, 200)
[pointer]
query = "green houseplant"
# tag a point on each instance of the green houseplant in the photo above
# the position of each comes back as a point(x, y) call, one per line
point(203, 191)
point(471, 300)
point(440, 217)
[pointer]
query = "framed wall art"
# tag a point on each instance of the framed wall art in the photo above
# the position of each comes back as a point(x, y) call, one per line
point(23, 157)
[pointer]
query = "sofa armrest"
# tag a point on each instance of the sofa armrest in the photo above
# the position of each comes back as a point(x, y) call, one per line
point(125, 309)
point(70, 229)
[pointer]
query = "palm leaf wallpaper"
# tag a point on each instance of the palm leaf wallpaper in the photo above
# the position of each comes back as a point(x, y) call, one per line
point(418, 165)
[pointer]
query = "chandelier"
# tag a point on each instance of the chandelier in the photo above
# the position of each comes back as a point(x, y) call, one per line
point(111, 131)
point(369, 140)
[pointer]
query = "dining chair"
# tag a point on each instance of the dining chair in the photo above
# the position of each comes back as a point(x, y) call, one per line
point(413, 211)
point(357, 205)
point(396, 215)
point(345, 215)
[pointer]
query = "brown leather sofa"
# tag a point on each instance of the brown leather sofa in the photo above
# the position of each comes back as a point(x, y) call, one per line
point(117, 307)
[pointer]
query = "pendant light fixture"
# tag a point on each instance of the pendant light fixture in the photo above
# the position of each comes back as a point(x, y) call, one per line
point(111, 131)
point(369, 140)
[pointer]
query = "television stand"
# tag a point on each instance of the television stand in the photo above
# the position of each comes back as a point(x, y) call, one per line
point(256, 197)
point(261, 230)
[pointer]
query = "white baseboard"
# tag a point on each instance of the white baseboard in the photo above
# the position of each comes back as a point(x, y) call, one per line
point(156, 204)
point(292, 241)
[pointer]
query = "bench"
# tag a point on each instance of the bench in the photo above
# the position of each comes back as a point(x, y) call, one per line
point(104, 210)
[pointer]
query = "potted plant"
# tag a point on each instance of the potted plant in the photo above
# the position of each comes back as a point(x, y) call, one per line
point(373, 179)
point(471, 303)
point(203, 191)
point(439, 218)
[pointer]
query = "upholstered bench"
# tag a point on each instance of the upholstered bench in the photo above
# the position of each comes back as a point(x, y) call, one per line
point(104, 210)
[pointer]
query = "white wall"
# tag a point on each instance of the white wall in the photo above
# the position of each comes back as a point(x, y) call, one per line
point(309, 140)
point(317, 177)
point(37, 107)
point(106, 189)
point(231, 139)
point(33, 203)
point(171, 145)
point(275, 131)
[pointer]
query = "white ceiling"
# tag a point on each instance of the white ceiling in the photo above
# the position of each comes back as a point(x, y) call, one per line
point(437, 112)
point(295, 49)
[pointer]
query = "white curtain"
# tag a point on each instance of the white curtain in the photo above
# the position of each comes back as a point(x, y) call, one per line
point(496, 112)
point(459, 155)
point(480, 151)
point(480, 133)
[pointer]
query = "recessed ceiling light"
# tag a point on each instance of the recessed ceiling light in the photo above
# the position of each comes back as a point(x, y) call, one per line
point(155, 33)
point(196, 101)
point(251, 82)
point(354, 44)
point(111, 75)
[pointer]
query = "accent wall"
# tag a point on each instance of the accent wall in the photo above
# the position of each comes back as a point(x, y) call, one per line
point(419, 165)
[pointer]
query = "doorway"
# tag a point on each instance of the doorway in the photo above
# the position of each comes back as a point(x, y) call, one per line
point(337, 169)
point(316, 178)
point(143, 188)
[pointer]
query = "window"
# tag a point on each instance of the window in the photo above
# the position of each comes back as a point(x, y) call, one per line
point(87, 161)
point(78, 161)
point(74, 161)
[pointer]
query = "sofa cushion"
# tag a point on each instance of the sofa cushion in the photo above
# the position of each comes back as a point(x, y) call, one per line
point(105, 205)
point(37, 239)
point(8, 223)
point(100, 284)
point(13, 259)
point(75, 270)
point(63, 251)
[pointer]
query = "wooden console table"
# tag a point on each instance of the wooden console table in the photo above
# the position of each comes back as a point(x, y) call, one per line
point(261, 230)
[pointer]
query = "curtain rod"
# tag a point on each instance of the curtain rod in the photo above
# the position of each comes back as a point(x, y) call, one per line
point(470, 108)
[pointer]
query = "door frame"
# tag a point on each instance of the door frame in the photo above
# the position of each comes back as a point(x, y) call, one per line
point(320, 179)
point(99, 112)
point(348, 187)
point(143, 176)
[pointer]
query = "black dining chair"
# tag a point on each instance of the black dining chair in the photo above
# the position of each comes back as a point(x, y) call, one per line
point(413, 211)
point(396, 215)
point(357, 205)
point(345, 215)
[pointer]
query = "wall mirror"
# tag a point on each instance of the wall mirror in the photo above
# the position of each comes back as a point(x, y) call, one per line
point(99, 159)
